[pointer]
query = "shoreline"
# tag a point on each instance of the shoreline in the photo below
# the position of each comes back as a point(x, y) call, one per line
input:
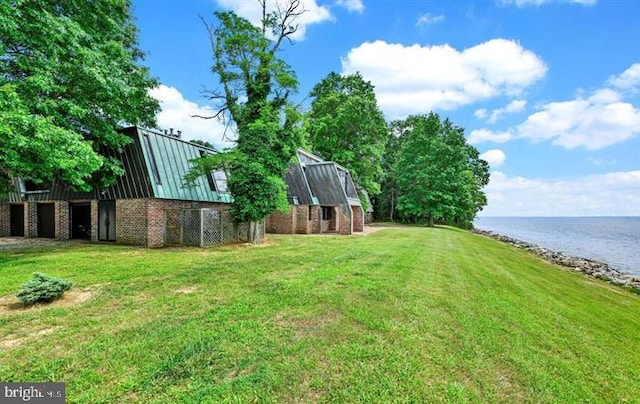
point(589, 267)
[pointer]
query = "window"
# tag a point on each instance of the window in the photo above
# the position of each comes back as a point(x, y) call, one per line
point(212, 184)
point(152, 160)
point(221, 180)
point(327, 212)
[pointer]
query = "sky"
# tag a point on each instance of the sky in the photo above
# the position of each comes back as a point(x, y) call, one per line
point(547, 90)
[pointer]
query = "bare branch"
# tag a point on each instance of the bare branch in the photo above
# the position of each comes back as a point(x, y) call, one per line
point(286, 18)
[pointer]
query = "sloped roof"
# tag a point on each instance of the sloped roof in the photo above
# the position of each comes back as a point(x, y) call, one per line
point(313, 181)
point(154, 166)
point(167, 161)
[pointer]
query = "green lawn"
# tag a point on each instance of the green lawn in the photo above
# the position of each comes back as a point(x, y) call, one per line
point(414, 315)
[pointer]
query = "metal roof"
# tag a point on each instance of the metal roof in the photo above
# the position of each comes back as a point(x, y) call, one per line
point(297, 185)
point(154, 167)
point(326, 185)
point(171, 157)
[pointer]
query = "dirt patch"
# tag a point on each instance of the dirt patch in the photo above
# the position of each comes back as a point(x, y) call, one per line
point(11, 305)
point(186, 289)
point(18, 243)
point(12, 340)
point(308, 327)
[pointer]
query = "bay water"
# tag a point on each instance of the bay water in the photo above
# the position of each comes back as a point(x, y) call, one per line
point(613, 240)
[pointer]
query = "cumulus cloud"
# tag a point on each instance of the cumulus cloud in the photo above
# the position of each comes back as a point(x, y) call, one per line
point(610, 194)
point(524, 3)
point(351, 5)
point(426, 19)
point(497, 114)
point(485, 135)
point(627, 80)
point(591, 122)
point(176, 112)
point(494, 157)
point(415, 79)
point(252, 11)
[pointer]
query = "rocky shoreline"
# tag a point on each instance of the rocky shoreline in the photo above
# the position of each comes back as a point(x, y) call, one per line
point(587, 266)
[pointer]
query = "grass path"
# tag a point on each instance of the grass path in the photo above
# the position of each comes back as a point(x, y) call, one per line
point(414, 315)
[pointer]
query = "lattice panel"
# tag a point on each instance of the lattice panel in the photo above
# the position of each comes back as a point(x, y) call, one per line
point(203, 227)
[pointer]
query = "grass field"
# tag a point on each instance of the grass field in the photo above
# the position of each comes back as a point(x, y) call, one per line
point(413, 315)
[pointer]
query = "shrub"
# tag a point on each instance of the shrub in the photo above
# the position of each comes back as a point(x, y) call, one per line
point(42, 289)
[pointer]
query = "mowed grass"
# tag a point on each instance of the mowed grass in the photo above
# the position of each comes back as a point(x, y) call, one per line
point(413, 315)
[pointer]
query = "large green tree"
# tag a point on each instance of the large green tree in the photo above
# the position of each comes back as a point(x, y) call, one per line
point(385, 203)
point(255, 86)
point(439, 176)
point(69, 77)
point(345, 125)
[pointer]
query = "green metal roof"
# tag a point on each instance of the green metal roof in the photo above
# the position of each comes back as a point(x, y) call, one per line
point(167, 160)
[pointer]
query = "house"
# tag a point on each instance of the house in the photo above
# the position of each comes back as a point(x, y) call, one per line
point(322, 198)
point(146, 206)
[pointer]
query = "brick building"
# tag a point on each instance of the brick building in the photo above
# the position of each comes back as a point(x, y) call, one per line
point(132, 211)
point(322, 197)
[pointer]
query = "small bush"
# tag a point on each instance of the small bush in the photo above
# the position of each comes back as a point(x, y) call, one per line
point(42, 289)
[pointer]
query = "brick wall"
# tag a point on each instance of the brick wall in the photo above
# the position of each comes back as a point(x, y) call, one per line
point(5, 219)
point(315, 224)
point(301, 219)
point(62, 219)
point(156, 220)
point(94, 220)
point(131, 221)
point(357, 218)
point(31, 219)
point(281, 223)
point(344, 214)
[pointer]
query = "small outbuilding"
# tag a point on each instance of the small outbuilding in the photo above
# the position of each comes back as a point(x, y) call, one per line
point(148, 205)
point(322, 198)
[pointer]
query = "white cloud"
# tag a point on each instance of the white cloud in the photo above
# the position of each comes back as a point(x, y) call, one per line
point(176, 112)
point(252, 11)
point(351, 5)
point(485, 135)
point(524, 3)
point(497, 114)
point(595, 122)
point(426, 19)
point(494, 157)
point(610, 194)
point(627, 80)
point(417, 79)
point(591, 122)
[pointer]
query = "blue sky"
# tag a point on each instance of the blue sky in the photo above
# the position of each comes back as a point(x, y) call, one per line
point(547, 90)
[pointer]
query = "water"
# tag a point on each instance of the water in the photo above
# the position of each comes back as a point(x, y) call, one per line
point(614, 240)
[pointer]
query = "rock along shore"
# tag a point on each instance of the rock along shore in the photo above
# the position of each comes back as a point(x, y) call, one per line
point(587, 266)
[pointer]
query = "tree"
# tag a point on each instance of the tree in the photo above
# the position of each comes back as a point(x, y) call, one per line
point(69, 77)
point(439, 176)
point(202, 143)
point(386, 201)
point(255, 86)
point(345, 125)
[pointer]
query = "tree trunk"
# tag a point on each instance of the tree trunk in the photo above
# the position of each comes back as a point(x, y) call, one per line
point(430, 218)
point(255, 233)
point(392, 207)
